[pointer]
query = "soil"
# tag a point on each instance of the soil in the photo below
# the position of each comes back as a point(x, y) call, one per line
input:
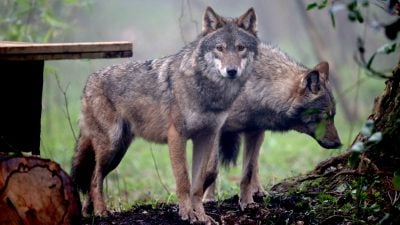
point(337, 195)
point(225, 212)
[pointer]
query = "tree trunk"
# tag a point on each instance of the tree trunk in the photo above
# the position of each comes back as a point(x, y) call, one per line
point(36, 191)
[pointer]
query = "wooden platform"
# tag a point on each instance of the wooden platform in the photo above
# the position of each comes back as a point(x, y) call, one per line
point(21, 51)
point(21, 85)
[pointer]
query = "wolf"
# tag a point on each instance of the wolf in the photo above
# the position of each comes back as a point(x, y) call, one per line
point(280, 95)
point(168, 100)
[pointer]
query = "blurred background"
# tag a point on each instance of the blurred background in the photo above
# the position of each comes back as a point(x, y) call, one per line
point(158, 28)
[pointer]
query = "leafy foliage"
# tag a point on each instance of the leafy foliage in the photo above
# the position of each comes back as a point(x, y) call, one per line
point(37, 20)
point(360, 146)
point(356, 13)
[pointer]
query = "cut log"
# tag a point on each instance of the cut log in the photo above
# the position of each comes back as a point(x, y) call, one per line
point(36, 191)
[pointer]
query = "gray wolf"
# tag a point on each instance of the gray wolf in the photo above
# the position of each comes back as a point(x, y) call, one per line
point(280, 95)
point(168, 100)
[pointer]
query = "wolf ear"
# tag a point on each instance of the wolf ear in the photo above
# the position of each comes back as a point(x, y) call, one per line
point(323, 69)
point(211, 21)
point(310, 82)
point(248, 21)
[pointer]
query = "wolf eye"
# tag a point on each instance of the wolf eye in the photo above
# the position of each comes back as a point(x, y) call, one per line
point(240, 48)
point(219, 48)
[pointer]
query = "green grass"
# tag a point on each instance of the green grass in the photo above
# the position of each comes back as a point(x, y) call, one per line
point(136, 179)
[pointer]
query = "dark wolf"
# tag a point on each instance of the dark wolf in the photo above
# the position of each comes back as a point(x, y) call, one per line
point(280, 95)
point(168, 100)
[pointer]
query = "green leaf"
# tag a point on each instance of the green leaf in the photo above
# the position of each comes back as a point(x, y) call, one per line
point(365, 3)
point(320, 130)
point(358, 147)
point(396, 180)
point(387, 48)
point(366, 130)
point(311, 111)
point(53, 21)
point(359, 16)
point(354, 159)
point(390, 48)
point(332, 15)
point(352, 5)
point(323, 4)
point(47, 37)
point(371, 60)
point(312, 6)
point(352, 16)
point(376, 137)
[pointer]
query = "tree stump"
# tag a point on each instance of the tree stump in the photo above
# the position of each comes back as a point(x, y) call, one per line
point(36, 191)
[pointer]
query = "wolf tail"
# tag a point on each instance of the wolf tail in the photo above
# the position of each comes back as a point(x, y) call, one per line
point(229, 147)
point(83, 164)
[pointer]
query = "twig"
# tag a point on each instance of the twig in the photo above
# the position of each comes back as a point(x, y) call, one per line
point(196, 24)
point(158, 174)
point(395, 198)
point(364, 161)
point(67, 114)
point(180, 21)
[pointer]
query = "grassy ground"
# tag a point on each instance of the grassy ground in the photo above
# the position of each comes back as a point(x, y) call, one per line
point(137, 179)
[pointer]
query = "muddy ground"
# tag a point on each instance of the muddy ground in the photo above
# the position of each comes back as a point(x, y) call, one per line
point(346, 198)
point(226, 212)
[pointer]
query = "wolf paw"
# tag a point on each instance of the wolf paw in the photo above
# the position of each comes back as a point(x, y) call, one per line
point(196, 218)
point(245, 204)
point(102, 213)
point(202, 218)
point(260, 192)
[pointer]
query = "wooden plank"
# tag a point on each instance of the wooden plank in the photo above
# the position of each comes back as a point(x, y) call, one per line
point(64, 56)
point(49, 51)
point(35, 48)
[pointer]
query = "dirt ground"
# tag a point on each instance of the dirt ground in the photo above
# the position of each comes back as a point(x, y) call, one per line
point(330, 198)
point(226, 212)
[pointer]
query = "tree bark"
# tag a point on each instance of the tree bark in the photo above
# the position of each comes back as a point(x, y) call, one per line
point(36, 191)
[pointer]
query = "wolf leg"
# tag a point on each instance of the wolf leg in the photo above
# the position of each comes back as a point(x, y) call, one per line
point(209, 194)
point(212, 172)
point(101, 147)
point(87, 206)
point(109, 151)
point(250, 183)
point(204, 170)
point(83, 163)
point(177, 154)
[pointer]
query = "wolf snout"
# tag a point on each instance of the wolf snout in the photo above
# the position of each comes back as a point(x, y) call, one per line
point(330, 144)
point(231, 72)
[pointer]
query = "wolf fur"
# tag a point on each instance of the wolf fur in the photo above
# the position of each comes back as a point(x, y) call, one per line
point(168, 100)
point(280, 95)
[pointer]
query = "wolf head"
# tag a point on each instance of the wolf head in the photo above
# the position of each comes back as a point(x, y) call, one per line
point(314, 107)
point(229, 45)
